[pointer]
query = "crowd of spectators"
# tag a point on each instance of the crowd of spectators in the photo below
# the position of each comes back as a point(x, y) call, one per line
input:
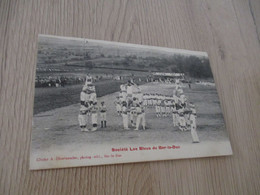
point(61, 81)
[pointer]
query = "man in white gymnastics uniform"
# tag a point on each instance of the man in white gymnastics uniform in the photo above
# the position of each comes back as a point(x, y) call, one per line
point(162, 108)
point(140, 117)
point(84, 108)
point(125, 115)
point(174, 114)
point(149, 100)
point(129, 87)
point(93, 95)
point(89, 80)
point(94, 116)
point(194, 135)
point(123, 93)
point(140, 96)
point(167, 107)
point(133, 111)
point(154, 99)
point(118, 106)
point(158, 110)
point(160, 98)
point(182, 122)
point(181, 119)
point(103, 114)
point(145, 102)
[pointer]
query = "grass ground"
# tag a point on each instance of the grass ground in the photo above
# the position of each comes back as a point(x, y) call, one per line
point(49, 98)
point(59, 127)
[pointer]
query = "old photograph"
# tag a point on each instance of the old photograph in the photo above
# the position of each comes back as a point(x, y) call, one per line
point(99, 102)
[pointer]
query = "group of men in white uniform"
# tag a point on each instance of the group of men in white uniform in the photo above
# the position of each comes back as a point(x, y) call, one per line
point(162, 103)
point(89, 107)
point(129, 105)
point(184, 113)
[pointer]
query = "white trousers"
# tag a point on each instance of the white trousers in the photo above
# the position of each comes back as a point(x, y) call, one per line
point(94, 118)
point(194, 135)
point(175, 119)
point(125, 121)
point(157, 109)
point(140, 118)
point(82, 119)
point(182, 121)
point(118, 108)
point(168, 110)
point(103, 116)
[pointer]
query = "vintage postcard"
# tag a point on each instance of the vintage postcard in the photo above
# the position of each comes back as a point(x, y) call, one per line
point(99, 102)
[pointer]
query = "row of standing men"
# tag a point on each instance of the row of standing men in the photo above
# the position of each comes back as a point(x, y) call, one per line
point(133, 106)
point(89, 108)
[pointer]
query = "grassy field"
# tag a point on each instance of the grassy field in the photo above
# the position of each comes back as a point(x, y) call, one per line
point(49, 98)
point(59, 127)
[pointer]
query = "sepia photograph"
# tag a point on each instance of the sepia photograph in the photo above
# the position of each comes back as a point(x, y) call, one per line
point(100, 102)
